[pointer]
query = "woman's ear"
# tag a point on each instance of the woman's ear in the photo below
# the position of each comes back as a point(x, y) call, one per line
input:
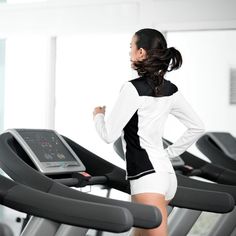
point(142, 54)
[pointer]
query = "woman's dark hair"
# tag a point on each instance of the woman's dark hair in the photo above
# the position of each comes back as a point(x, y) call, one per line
point(160, 59)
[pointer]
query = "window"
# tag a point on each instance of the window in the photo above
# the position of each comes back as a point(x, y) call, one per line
point(2, 79)
point(208, 60)
point(90, 71)
point(27, 79)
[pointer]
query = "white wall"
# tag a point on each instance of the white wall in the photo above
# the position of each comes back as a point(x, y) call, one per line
point(75, 16)
point(174, 15)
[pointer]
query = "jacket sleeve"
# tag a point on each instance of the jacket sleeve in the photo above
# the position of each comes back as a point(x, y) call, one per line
point(183, 111)
point(126, 105)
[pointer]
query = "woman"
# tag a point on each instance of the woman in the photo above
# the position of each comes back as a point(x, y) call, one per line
point(139, 116)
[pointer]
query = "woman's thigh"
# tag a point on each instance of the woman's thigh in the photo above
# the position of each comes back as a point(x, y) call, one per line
point(157, 200)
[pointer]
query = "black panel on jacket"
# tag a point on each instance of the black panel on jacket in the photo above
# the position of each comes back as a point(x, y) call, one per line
point(144, 87)
point(137, 159)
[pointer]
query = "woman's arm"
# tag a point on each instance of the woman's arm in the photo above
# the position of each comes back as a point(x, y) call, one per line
point(126, 105)
point(183, 111)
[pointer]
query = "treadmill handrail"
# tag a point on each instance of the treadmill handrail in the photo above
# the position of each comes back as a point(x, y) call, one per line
point(221, 200)
point(203, 200)
point(64, 210)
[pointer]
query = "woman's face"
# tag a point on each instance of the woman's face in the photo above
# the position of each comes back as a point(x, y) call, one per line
point(136, 54)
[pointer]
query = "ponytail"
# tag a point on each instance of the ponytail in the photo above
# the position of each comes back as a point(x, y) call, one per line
point(155, 66)
point(176, 59)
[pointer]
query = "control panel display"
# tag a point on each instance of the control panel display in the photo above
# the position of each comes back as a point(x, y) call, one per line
point(48, 150)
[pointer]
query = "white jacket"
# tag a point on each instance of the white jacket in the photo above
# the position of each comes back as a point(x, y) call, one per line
point(139, 117)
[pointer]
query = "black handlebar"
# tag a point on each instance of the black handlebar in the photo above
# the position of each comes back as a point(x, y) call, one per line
point(64, 210)
point(79, 180)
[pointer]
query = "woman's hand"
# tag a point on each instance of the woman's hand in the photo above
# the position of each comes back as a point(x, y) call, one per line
point(99, 110)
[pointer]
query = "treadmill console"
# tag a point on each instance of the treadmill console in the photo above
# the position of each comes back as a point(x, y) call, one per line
point(225, 142)
point(177, 162)
point(48, 150)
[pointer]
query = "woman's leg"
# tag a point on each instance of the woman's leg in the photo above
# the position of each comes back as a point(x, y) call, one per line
point(159, 201)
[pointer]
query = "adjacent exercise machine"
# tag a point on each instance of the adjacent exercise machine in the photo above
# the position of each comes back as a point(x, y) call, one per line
point(220, 149)
point(197, 167)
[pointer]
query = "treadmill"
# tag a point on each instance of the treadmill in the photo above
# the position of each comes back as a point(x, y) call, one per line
point(24, 157)
point(61, 207)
